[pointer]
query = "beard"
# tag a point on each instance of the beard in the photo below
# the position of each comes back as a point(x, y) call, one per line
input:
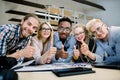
point(24, 33)
point(63, 35)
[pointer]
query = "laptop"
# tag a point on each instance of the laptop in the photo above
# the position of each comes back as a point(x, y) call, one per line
point(72, 71)
point(113, 65)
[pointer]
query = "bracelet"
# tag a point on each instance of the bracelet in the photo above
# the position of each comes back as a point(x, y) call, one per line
point(75, 57)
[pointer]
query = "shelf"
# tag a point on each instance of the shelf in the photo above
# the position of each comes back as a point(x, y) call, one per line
point(90, 4)
point(27, 3)
point(52, 16)
point(52, 22)
point(21, 13)
point(15, 20)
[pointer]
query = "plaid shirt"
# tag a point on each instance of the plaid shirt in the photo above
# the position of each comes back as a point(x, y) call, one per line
point(10, 40)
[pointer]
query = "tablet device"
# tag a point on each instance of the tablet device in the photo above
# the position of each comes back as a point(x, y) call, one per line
point(72, 71)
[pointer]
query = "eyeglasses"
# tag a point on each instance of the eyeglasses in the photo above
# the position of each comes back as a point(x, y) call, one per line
point(98, 29)
point(77, 34)
point(45, 29)
point(64, 29)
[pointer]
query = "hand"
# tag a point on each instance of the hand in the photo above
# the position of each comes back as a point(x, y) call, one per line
point(48, 60)
point(52, 49)
point(76, 52)
point(28, 51)
point(84, 48)
point(63, 54)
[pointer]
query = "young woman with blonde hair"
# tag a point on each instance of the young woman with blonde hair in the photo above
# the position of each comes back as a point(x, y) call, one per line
point(43, 43)
point(85, 46)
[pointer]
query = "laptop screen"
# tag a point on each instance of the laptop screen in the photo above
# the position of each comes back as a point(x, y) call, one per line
point(113, 65)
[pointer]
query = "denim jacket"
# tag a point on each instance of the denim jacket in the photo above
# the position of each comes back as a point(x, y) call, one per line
point(69, 45)
point(109, 51)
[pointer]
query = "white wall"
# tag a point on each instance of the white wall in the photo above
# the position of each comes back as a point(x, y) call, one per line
point(4, 6)
point(112, 14)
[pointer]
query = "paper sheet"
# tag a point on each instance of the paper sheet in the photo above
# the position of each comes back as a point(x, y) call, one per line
point(48, 67)
point(23, 64)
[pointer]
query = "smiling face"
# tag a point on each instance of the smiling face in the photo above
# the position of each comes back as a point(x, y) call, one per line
point(28, 27)
point(99, 30)
point(64, 29)
point(79, 34)
point(45, 31)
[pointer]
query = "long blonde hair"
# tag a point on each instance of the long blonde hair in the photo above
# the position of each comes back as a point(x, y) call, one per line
point(39, 36)
point(91, 23)
point(87, 35)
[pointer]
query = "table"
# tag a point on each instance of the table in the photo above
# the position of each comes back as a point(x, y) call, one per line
point(101, 74)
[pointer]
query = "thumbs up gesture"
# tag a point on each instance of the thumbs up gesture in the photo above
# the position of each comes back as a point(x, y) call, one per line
point(84, 48)
point(62, 48)
point(62, 53)
point(52, 49)
point(28, 51)
point(76, 53)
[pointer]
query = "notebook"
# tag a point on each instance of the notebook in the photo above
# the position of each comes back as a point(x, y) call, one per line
point(113, 65)
point(72, 71)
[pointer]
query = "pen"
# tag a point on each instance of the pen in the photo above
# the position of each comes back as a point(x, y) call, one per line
point(17, 67)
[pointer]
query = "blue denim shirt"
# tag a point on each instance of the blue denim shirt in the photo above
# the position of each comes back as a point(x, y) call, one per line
point(109, 51)
point(69, 45)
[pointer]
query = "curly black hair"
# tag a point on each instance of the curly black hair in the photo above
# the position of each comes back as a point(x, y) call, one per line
point(65, 19)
